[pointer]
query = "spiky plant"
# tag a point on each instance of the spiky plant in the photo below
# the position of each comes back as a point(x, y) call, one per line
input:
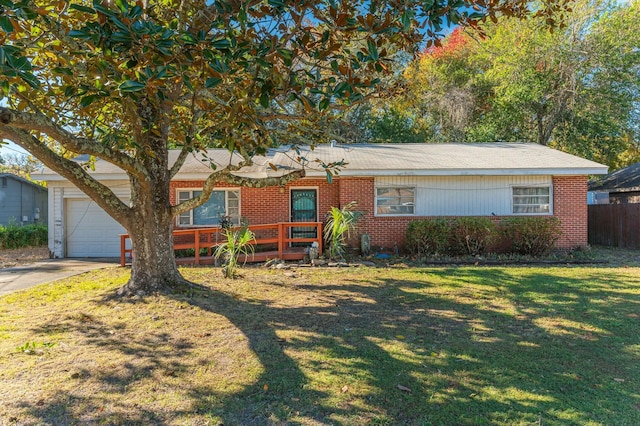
point(239, 241)
point(339, 226)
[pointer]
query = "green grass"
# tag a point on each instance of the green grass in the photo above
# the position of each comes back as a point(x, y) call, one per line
point(429, 346)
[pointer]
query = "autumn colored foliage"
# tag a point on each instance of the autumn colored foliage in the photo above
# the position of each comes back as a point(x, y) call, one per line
point(452, 45)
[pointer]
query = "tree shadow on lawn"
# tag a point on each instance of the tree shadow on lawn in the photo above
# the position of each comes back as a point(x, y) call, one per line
point(393, 351)
point(89, 402)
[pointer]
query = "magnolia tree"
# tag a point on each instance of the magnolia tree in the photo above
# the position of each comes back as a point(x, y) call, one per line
point(125, 82)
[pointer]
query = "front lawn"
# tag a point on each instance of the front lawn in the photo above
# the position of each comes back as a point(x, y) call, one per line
point(353, 346)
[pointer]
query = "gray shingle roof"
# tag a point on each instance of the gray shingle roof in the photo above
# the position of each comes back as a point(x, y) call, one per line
point(455, 159)
point(627, 179)
point(23, 180)
point(387, 160)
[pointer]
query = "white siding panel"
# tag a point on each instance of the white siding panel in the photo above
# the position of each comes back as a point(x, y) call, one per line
point(122, 189)
point(90, 232)
point(463, 195)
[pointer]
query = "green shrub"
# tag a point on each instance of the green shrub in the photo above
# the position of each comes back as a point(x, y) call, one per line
point(182, 253)
point(427, 236)
point(531, 235)
point(534, 235)
point(471, 235)
point(13, 236)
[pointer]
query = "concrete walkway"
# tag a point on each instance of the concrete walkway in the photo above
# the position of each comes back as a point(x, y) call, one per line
point(45, 271)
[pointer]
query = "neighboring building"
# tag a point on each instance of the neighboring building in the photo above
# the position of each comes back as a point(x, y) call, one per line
point(21, 201)
point(392, 184)
point(619, 187)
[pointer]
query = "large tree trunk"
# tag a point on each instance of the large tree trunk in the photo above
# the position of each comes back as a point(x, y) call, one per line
point(151, 231)
point(153, 265)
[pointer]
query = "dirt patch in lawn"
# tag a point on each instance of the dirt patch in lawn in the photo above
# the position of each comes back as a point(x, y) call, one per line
point(22, 256)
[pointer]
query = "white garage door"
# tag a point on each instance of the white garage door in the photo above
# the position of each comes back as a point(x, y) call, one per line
point(90, 232)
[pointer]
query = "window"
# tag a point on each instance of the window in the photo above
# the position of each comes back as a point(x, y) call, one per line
point(221, 203)
point(395, 201)
point(532, 200)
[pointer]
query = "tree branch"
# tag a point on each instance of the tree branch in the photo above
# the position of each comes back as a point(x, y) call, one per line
point(227, 177)
point(40, 123)
point(101, 194)
point(179, 161)
point(195, 116)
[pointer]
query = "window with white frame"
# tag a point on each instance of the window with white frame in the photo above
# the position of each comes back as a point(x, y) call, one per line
point(393, 201)
point(221, 203)
point(531, 199)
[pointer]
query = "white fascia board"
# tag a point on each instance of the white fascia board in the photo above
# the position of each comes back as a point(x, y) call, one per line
point(478, 172)
point(374, 172)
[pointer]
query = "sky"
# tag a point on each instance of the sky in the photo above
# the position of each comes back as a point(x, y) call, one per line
point(11, 149)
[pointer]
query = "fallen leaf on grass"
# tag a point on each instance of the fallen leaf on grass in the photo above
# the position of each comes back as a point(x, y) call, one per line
point(404, 389)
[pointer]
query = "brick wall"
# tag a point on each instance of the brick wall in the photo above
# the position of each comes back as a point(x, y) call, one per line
point(271, 205)
point(570, 206)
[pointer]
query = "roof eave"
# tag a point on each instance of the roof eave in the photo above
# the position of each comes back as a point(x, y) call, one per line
point(478, 172)
point(372, 172)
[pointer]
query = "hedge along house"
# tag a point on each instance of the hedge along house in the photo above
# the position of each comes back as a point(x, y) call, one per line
point(21, 202)
point(392, 185)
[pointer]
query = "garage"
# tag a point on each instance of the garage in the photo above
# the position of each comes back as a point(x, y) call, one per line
point(89, 231)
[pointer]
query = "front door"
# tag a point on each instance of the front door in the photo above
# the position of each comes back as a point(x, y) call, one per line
point(304, 208)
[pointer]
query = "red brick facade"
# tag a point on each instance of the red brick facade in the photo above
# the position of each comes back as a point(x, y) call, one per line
point(570, 206)
point(272, 205)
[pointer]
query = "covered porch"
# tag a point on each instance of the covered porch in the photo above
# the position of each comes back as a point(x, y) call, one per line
point(283, 240)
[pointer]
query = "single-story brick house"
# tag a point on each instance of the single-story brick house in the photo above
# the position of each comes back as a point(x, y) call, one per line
point(393, 184)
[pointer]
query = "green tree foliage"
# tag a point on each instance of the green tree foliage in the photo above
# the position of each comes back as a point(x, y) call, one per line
point(125, 81)
point(576, 88)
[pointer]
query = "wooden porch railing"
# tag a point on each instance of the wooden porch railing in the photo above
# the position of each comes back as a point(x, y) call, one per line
point(277, 234)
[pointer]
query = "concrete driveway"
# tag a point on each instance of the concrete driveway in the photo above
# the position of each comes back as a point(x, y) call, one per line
point(45, 271)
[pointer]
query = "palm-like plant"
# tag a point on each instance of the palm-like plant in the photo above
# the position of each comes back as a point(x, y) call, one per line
point(339, 226)
point(238, 241)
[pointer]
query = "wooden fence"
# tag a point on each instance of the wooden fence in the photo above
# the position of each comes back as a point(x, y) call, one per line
point(616, 225)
